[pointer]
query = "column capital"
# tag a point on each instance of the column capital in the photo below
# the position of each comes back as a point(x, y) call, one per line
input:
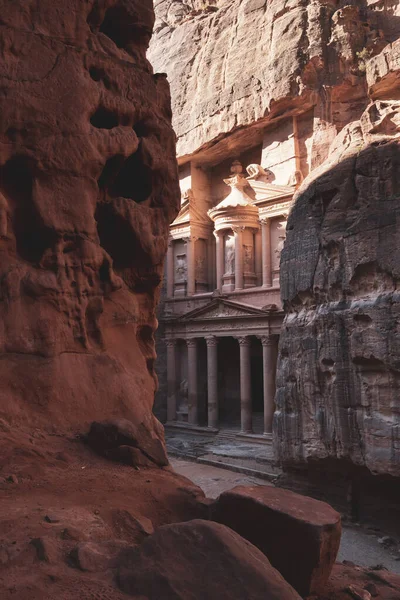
point(238, 228)
point(268, 340)
point(192, 343)
point(211, 340)
point(170, 343)
point(170, 242)
point(217, 233)
point(190, 238)
point(244, 340)
point(265, 220)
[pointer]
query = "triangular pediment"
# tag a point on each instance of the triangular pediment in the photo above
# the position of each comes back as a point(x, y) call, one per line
point(190, 214)
point(220, 309)
point(269, 191)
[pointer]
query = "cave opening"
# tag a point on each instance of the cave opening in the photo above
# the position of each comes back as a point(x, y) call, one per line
point(32, 236)
point(129, 178)
point(104, 119)
point(120, 27)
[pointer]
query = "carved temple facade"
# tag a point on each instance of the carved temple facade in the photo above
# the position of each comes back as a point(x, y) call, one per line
point(221, 313)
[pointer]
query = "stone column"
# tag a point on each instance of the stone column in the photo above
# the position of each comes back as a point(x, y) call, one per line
point(212, 375)
point(171, 379)
point(191, 281)
point(245, 386)
point(238, 231)
point(193, 416)
point(266, 252)
point(258, 256)
point(219, 253)
point(270, 347)
point(170, 269)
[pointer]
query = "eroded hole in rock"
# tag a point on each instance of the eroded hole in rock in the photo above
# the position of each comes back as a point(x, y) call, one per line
point(99, 75)
point(328, 362)
point(104, 119)
point(117, 238)
point(370, 362)
point(134, 180)
point(120, 27)
point(362, 319)
point(129, 178)
point(110, 172)
point(142, 129)
point(31, 235)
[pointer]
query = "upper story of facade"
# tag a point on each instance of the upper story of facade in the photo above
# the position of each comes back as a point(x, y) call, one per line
point(231, 228)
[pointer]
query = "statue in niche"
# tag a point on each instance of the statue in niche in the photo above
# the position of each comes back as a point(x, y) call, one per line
point(183, 397)
point(181, 267)
point(248, 258)
point(281, 242)
point(230, 256)
point(258, 173)
point(187, 196)
point(200, 267)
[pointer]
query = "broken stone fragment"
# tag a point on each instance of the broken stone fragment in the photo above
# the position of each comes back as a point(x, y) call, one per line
point(46, 549)
point(94, 557)
point(299, 535)
point(200, 560)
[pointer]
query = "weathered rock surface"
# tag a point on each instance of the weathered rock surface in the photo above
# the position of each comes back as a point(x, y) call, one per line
point(299, 535)
point(234, 63)
point(120, 440)
point(88, 186)
point(198, 560)
point(348, 580)
point(338, 370)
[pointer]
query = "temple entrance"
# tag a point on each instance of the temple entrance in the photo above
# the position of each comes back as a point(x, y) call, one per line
point(257, 390)
point(229, 383)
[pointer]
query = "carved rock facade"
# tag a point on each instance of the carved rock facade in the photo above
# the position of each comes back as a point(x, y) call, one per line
point(303, 88)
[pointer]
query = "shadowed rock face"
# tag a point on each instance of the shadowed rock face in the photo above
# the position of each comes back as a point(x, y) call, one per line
point(339, 366)
point(88, 185)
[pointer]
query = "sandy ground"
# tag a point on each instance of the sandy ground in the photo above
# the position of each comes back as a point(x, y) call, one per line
point(358, 544)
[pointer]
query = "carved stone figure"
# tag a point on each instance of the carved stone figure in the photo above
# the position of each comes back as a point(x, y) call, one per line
point(281, 242)
point(248, 257)
point(181, 268)
point(257, 172)
point(230, 255)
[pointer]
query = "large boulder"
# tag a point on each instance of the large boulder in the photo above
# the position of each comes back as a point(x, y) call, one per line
point(299, 535)
point(200, 560)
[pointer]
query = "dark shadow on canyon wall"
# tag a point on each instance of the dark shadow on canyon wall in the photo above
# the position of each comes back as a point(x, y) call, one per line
point(337, 425)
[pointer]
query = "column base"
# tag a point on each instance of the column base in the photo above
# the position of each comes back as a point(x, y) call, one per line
point(246, 431)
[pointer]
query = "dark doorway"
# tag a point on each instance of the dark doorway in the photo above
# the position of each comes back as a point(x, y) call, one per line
point(257, 384)
point(229, 383)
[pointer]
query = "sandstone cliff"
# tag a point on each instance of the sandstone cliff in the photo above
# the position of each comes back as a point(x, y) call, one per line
point(235, 63)
point(338, 373)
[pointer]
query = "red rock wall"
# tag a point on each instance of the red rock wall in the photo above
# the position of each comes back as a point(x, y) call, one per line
point(88, 186)
point(238, 63)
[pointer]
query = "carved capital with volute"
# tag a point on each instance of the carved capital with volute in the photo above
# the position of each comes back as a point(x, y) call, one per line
point(192, 343)
point(211, 341)
point(244, 340)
